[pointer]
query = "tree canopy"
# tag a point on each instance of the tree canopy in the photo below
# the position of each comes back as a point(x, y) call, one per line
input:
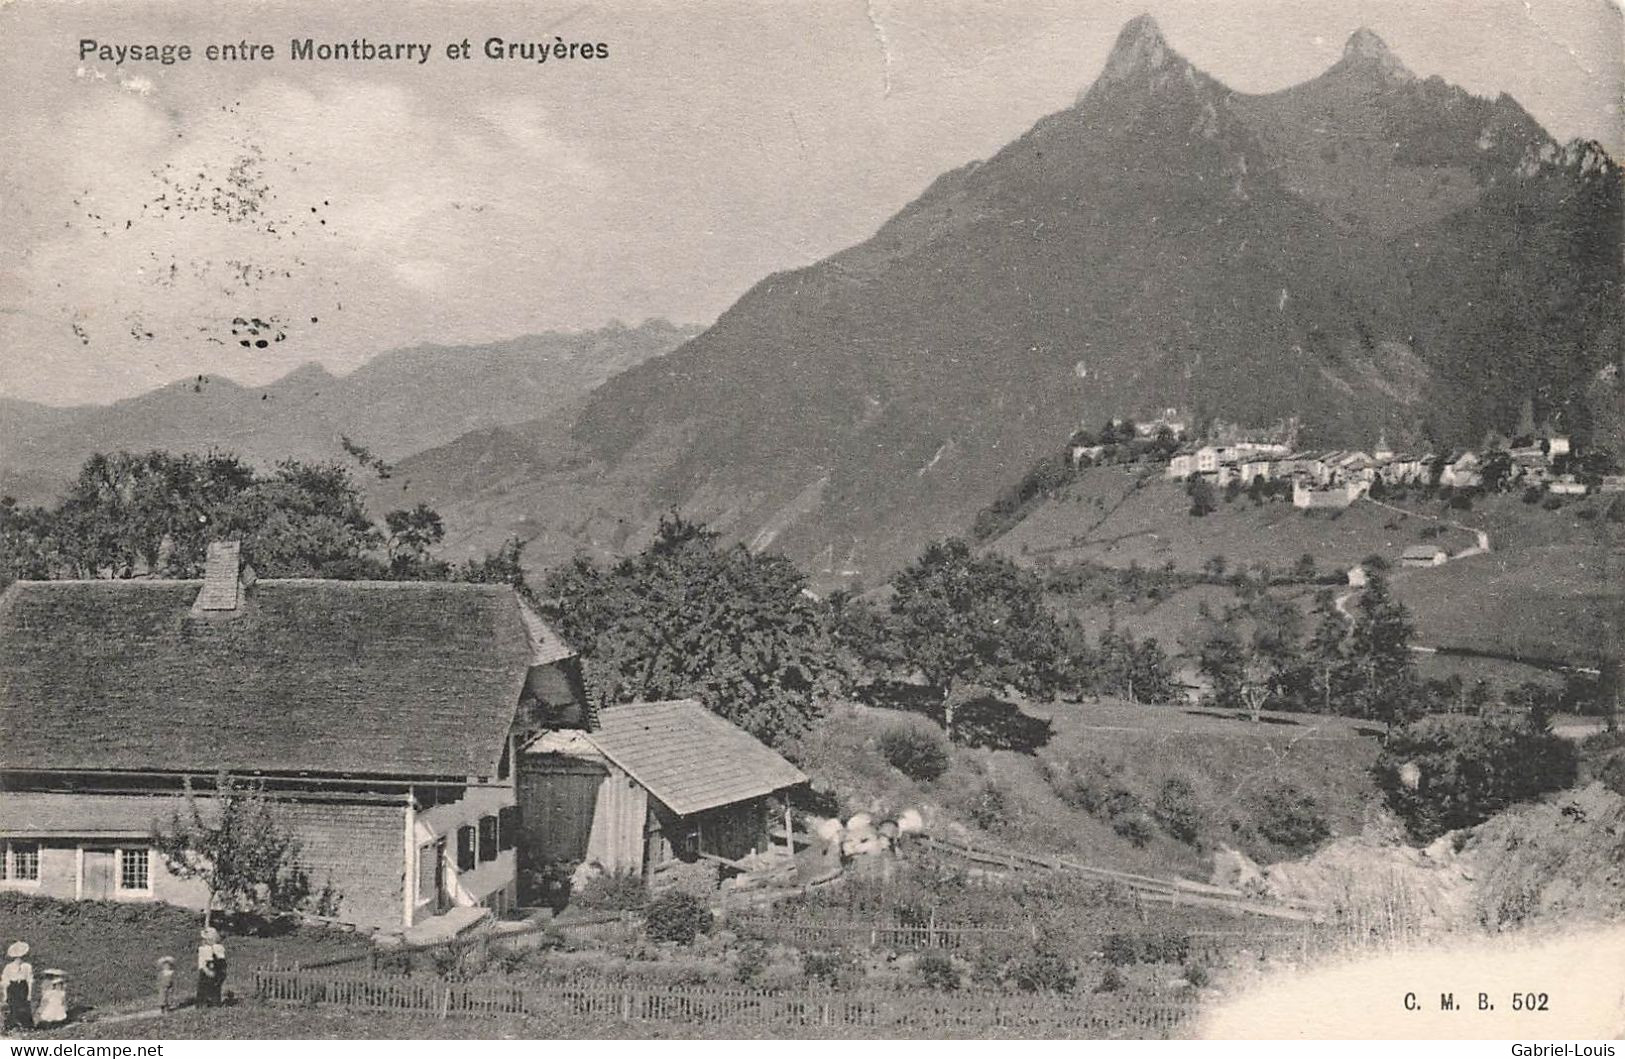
point(153, 515)
point(688, 616)
point(961, 619)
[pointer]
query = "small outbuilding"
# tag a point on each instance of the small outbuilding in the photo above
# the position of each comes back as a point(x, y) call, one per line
point(1424, 555)
point(648, 783)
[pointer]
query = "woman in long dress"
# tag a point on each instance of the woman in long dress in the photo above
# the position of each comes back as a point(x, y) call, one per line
point(17, 981)
point(211, 968)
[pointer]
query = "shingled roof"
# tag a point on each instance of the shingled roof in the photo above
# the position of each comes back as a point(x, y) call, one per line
point(361, 677)
point(687, 756)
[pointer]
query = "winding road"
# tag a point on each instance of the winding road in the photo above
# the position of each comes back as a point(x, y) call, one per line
point(1482, 547)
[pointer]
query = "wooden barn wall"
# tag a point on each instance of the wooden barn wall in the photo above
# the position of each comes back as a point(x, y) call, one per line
point(577, 811)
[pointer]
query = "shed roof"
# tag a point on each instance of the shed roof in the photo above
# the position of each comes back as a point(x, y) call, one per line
point(363, 677)
point(687, 756)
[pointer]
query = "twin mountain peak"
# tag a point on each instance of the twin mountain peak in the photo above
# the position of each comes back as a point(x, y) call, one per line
point(1141, 49)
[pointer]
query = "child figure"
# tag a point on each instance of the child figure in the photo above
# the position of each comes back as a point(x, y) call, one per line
point(166, 984)
point(53, 998)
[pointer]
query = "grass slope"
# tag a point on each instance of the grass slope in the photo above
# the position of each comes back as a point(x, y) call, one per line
point(1229, 765)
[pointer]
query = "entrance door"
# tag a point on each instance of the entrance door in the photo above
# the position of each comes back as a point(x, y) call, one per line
point(442, 879)
point(98, 882)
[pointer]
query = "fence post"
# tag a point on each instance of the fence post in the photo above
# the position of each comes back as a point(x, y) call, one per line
point(626, 1001)
point(445, 1003)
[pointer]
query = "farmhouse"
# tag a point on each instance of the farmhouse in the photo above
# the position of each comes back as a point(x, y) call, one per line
point(382, 718)
point(1424, 555)
point(648, 784)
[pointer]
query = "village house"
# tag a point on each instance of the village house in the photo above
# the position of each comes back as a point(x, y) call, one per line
point(1338, 496)
point(1612, 483)
point(644, 786)
point(1208, 459)
point(1169, 419)
point(1253, 469)
point(1557, 446)
point(1357, 577)
point(1182, 465)
point(1424, 555)
point(379, 718)
point(1461, 472)
point(1566, 485)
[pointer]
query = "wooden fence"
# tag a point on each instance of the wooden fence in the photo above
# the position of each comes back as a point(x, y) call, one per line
point(874, 933)
point(919, 1010)
point(878, 933)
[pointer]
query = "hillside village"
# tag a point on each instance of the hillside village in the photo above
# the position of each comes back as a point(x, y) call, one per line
point(1335, 478)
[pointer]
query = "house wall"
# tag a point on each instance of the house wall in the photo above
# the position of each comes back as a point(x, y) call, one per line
point(491, 882)
point(357, 846)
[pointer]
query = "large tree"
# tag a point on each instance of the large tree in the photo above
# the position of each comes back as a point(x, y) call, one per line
point(688, 616)
point(1381, 667)
point(961, 619)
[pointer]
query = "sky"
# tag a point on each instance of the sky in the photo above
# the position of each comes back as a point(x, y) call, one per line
point(240, 218)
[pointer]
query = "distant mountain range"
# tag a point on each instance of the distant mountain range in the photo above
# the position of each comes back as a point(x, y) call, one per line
point(1366, 251)
point(396, 404)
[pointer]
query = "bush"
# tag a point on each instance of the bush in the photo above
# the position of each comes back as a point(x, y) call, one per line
point(1045, 970)
point(1112, 981)
point(619, 891)
point(937, 972)
point(1162, 947)
point(1178, 810)
point(1469, 769)
point(750, 962)
point(1291, 817)
point(917, 754)
point(988, 808)
point(676, 916)
point(1137, 828)
point(1197, 975)
point(827, 968)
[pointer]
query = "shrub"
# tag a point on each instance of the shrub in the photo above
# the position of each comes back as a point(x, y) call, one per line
point(917, 754)
point(1137, 828)
point(619, 891)
point(676, 916)
point(1197, 975)
point(988, 807)
point(1469, 770)
point(1045, 970)
point(1112, 981)
point(1291, 817)
point(750, 962)
point(1178, 810)
point(825, 967)
point(1162, 947)
point(937, 972)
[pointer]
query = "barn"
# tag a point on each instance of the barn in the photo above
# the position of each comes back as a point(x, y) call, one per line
point(382, 718)
point(646, 785)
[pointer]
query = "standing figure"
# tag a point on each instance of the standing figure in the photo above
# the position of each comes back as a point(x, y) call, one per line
point(211, 968)
point(166, 983)
point(18, 982)
point(53, 998)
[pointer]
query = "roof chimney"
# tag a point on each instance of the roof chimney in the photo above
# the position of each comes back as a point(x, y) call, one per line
point(220, 585)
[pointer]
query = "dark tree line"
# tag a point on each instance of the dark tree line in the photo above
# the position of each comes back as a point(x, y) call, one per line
point(153, 515)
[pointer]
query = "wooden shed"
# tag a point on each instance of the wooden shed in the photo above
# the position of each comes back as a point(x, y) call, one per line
point(650, 782)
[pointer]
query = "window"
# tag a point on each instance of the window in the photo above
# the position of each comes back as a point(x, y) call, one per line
point(507, 827)
point(19, 862)
point(134, 871)
point(466, 844)
point(488, 838)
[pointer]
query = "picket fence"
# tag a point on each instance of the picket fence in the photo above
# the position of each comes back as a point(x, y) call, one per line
point(1209, 945)
point(1098, 1015)
point(875, 934)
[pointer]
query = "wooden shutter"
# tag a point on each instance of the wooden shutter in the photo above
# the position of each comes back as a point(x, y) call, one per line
point(465, 848)
point(488, 838)
point(508, 827)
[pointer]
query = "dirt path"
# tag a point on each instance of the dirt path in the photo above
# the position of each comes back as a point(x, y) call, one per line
point(1482, 547)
